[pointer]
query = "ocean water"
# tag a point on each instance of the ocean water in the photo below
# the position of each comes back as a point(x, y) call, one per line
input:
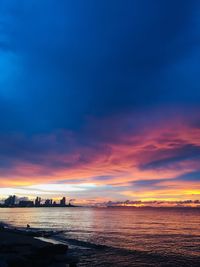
point(120, 236)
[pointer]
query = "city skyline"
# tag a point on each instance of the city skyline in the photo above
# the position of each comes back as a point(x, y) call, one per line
point(14, 201)
point(100, 99)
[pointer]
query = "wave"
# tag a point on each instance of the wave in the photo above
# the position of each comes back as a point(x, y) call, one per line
point(94, 255)
point(91, 254)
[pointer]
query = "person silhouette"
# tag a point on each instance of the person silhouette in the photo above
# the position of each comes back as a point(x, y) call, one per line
point(28, 226)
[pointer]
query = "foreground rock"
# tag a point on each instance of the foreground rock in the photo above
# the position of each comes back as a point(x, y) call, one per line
point(20, 250)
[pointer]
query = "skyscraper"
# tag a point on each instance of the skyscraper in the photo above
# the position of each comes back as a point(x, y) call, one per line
point(37, 201)
point(63, 201)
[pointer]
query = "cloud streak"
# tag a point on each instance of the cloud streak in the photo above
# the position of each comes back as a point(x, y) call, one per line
point(123, 163)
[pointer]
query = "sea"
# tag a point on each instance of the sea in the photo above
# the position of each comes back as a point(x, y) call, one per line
point(119, 236)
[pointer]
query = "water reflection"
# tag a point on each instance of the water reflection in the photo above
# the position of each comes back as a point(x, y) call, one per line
point(154, 230)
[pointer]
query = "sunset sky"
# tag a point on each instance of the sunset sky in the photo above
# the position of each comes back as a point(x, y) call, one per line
point(100, 100)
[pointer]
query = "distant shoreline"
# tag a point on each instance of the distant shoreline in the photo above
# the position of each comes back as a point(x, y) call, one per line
point(67, 206)
point(99, 207)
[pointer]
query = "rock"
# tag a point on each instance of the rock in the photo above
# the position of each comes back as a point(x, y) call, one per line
point(3, 263)
point(57, 265)
point(60, 258)
point(7, 248)
point(51, 250)
point(16, 261)
point(66, 258)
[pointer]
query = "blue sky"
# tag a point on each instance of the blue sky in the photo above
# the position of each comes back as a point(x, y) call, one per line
point(80, 78)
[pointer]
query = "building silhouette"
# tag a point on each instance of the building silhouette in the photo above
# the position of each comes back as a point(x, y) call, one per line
point(63, 201)
point(10, 201)
point(48, 202)
point(26, 203)
point(37, 201)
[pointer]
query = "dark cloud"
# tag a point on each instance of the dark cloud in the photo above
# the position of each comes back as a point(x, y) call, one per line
point(75, 60)
point(184, 153)
point(191, 176)
point(156, 184)
point(84, 83)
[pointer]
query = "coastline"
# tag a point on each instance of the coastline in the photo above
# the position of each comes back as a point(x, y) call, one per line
point(25, 248)
point(21, 247)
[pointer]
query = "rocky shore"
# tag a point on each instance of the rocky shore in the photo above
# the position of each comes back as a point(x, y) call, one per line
point(21, 248)
point(38, 248)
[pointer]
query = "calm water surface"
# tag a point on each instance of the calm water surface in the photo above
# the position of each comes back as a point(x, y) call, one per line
point(131, 236)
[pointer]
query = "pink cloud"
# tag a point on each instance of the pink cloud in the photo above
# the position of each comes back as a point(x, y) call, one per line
point(161, 150)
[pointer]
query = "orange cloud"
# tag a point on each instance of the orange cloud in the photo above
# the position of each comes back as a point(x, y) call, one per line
point(161, 151)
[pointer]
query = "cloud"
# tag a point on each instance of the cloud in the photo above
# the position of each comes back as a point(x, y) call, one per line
point(184, 153)
point(191, 176)
point(111, 165)
point(77, 61)
point(107, 96)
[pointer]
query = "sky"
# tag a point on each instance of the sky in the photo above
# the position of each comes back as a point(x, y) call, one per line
point(100, 100)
